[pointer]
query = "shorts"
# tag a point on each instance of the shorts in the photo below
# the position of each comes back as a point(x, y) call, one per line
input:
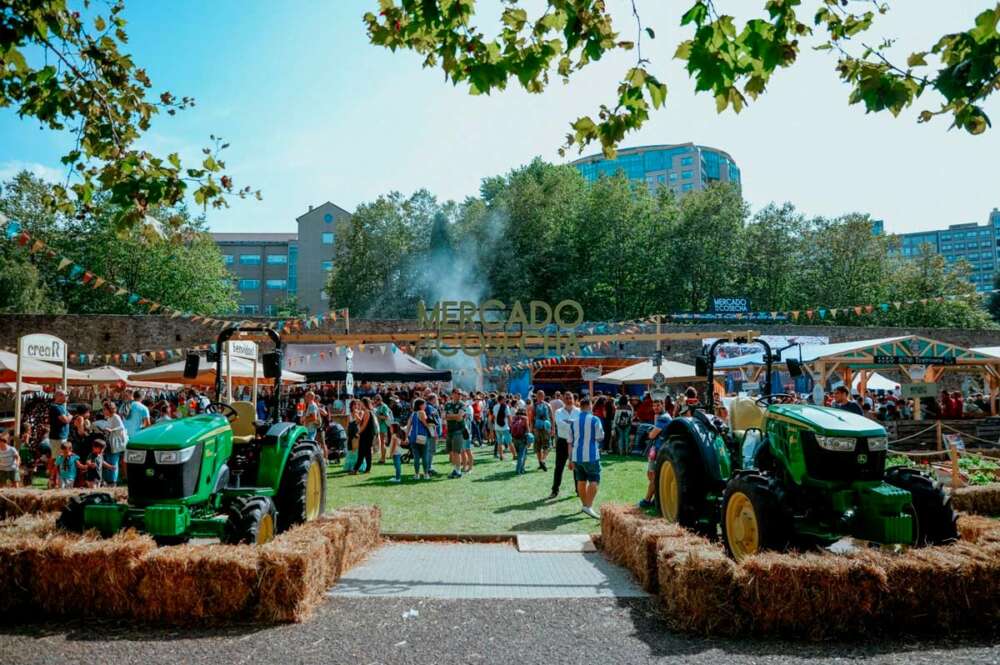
point(456, 442)
point(467, 444)
point(541, 440)
point(503, 437)
point(587, 472)
point(11, 476)
point(651, 466)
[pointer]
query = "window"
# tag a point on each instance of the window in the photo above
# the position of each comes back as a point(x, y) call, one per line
point(248, 309)
point(686, 175)
point(687, 161)
point(277, 284)
point(327, 218)
point(328, 238)
point(687, 187)
point(293, 267)
point(327, 266)
point(277, 259)
point(249, 259)
point(673, 177)
point(271, 310)
point(249, 284)
point(227, 259)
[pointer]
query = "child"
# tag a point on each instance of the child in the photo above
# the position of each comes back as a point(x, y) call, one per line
point(47, 456)
point(67, 465)
point(10, 461)
point(95, 464)
point(396, 451)
point(519, 433)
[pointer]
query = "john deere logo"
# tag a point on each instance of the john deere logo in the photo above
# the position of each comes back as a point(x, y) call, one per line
point(149, 473)
point(862, 459)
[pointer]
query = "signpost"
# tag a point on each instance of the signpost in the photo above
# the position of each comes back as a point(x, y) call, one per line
point(241, 349)
point(730, 305)
point(590, 374)
point(349, 379)
point(918, 390)
point(37, 346)
point(915, 360)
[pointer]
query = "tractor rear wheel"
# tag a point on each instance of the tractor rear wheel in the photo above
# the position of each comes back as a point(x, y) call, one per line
point(936, 520)
point(252, 521)
point(681, 487)
point(71, 518)
point(752, 518)
point(302, 492)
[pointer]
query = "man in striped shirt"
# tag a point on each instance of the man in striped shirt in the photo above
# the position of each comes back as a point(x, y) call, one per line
point(585, 456)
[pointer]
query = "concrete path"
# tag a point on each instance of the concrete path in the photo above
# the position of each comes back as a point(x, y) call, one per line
point(418, 570)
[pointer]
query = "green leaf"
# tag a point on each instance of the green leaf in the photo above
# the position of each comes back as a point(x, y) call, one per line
point(649, 31)
point(697, 14)
point(917, 59)
point(657, 92)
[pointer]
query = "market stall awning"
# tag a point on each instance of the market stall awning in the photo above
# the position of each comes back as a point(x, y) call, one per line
point(10, 386)
point(108, 375)
point(37, 371)
point(375, 362)
point(242, 371)
point(875, 382)
point(642, 373)
point(569, 371)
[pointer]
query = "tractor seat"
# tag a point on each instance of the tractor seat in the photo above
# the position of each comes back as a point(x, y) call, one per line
point(744, 414)
point(244, 427)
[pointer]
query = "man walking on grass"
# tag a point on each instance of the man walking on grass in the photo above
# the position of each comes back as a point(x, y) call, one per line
point(454, 413)
point(563, 417)
point(585, 456)
point(543, 425)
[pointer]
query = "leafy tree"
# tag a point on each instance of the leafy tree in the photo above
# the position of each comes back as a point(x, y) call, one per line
point(63, 65)
point(772, 259)
point(289, 307)
point(732, 60)
point(994, 302)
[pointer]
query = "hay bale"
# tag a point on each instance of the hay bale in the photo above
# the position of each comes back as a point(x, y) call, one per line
point(698, 585)
point(293, 572)
point(977, 499)
point(632, 538)
point(31, 524)
point(978, 529)
point(197, 583)
point(15, 502)
point(811, 595)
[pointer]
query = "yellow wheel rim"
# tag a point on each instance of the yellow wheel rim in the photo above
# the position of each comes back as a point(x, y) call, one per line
point(265, 533)
point(670, 492)
point(742, 531)
point(314, 491)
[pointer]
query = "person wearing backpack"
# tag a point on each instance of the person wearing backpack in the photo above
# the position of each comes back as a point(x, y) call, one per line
point(519, 432)
point(501, 426)
point(623, 425)
point(543, 426)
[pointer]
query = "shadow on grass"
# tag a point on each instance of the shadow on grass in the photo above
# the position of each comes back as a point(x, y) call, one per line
point(552, 523)
point(495, 477)
point(530, 505)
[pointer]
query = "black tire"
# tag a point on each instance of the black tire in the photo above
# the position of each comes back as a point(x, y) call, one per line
point(772, 525)
point(167, 541)
point(936, 520)
point(246, 515)
point(695, 510)
point(291, 498)
point(71, 518)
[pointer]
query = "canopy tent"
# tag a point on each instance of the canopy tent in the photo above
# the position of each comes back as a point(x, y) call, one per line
point(110, 375)
point(242, 371)
point(642, 373)
point(988, 350)
point(805, 353)
point(377, 362)
point(36, 371)
point(875, 382)
point(11, 386)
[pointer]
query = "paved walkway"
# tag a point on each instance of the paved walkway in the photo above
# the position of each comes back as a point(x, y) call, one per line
point(418, 570)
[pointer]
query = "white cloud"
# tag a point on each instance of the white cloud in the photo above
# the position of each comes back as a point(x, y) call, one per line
point(11, 168)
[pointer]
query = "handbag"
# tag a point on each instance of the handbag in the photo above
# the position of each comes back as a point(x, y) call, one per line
point(420, 440)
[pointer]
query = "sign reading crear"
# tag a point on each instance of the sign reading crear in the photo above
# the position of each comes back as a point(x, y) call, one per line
point(40, 346)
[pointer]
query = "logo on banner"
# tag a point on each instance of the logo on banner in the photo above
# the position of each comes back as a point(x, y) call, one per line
point(39, 346)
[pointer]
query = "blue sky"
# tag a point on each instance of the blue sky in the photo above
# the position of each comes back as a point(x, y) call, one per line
point(315, 113)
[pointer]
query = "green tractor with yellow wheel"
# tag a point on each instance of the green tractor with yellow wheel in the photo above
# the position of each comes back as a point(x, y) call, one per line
point(218, 474)
point(781, 475)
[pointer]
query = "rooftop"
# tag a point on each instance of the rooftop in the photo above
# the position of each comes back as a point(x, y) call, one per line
point(254, 237)
point(645, 148)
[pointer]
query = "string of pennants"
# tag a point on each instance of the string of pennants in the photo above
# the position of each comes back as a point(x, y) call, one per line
point(303, 358)
point(509, 368)
point(81, 276)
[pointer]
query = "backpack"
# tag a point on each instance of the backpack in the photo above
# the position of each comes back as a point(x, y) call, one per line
point(502, 415)
point(624, 418)
point(519, 426)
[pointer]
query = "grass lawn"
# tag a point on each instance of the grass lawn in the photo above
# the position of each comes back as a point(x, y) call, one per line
point(490, 500)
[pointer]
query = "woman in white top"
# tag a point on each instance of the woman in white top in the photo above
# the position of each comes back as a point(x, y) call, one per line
point(116, 436)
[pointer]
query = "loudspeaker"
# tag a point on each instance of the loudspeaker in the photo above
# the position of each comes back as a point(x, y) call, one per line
point(191, 365)
point(701, 366)
point(272, 364)
point(794, 367)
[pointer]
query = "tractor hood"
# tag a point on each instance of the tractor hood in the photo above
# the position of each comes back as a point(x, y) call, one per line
point(826, 421)
point(181, 433)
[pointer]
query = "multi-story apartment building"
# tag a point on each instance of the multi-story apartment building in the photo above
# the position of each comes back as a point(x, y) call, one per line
point(682, 167)
point(977, 244)
point(268, 268)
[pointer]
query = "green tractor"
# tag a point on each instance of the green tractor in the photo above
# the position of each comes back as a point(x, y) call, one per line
point(781, 475)
point(219, 474)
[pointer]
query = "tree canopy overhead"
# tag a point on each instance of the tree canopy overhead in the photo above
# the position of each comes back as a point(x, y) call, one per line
point(732, 60)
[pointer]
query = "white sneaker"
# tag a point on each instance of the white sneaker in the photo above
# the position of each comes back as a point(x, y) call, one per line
point(395, 480)
point(587, 510)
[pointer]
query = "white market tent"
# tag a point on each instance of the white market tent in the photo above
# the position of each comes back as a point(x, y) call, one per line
point(805, 353)
point(988, 350)
point(875, 382)
point(110, 375)
point(37, 371)
point(642, 373)
point(242, 370)
point(11, 386)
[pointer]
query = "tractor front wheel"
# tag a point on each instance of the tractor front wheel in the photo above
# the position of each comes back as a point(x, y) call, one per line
point(936, 521)
point(752, 518)
point(302, 492)
point(71, 518)
point(252, 521)
point(681, 488)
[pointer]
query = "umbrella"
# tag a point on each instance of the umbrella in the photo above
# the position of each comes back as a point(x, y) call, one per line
point(642, 373)
point(37, 371)
point(110, 375)
point(11, 386)
point(242, 370)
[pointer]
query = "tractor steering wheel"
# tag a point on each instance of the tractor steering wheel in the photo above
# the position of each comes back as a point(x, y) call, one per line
point(769, 398)
point(222, 409)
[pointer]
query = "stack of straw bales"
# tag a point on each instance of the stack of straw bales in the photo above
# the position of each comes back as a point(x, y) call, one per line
point(25, 500)
point(814, 595)
point(45, 571)
point(977, 499)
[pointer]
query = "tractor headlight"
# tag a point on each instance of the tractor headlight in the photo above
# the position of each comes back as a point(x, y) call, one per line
point(878, 443)
point(839, 444)
point(135, 456)
point(173, 456)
